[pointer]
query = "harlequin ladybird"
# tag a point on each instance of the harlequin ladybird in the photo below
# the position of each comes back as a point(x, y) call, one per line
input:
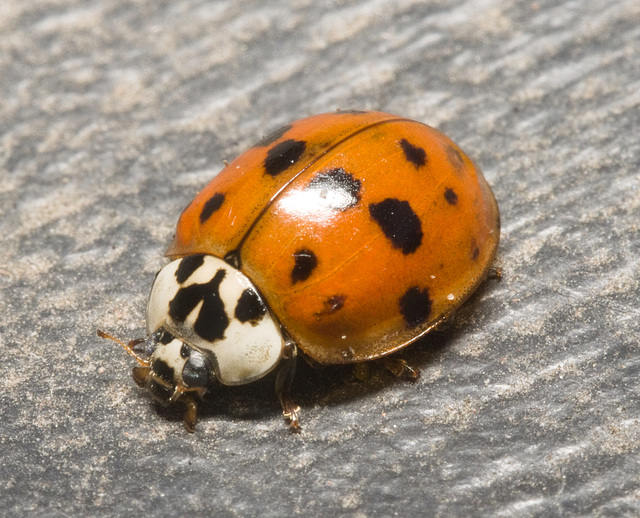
point(346, 235)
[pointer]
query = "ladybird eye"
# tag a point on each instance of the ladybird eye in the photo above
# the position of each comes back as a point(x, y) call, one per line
point(146, 348)
point(197, 370)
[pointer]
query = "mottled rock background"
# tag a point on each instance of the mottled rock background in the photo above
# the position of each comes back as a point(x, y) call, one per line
point(113, 114)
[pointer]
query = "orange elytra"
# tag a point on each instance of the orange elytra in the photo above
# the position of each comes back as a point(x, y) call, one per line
point(361, 229)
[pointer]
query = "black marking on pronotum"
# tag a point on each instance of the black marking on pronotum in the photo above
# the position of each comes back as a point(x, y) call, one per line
point(282, 156)
point(211, 205)
point(250, 307)
point(212, 320)
point(185, 351)
point(273, 136)
point(399, 223)
point(187, 266)
point(305, 262)
point(336, 188)
point(451, 196)
point(414, 154)
point(162, 370)
point(415, 306)
point(233, 258)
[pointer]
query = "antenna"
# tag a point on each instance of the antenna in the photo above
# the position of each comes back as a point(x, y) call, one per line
point(127, 346)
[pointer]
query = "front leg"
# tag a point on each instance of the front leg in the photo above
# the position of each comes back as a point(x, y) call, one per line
point(191, 412)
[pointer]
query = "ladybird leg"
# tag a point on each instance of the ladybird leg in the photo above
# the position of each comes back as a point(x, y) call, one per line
point(189, 397)
point(285, 376)
point(401, 369)
point(362, 371)
point(191, 412)
point(141, 375)
point(495, 273)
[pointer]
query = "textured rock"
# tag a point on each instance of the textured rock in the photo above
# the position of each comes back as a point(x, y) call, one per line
point(113, 114)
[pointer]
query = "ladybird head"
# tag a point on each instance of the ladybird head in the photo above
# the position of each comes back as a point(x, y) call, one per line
point(206, 322)
point(170, 370)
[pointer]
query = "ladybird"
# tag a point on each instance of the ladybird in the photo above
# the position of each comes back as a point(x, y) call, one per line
point(345, 236)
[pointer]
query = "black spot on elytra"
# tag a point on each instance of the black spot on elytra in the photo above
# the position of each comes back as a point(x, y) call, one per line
point(273, 136)
point(475, 251)
point(336, 188)
point(335, 303)
point(450, 196)
point(212, 320)
point(399, 223)
point(305, 262)
point(414, 154)
point(162, 370)
point(187, 266)
point(331, 305)
point(185, 351)
point(211, 205)
point(415, 306)
point(282, 156)
point(250, 307)
point(455, 158)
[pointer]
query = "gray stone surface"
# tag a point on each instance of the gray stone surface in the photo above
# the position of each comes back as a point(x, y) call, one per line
point(113, 114)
